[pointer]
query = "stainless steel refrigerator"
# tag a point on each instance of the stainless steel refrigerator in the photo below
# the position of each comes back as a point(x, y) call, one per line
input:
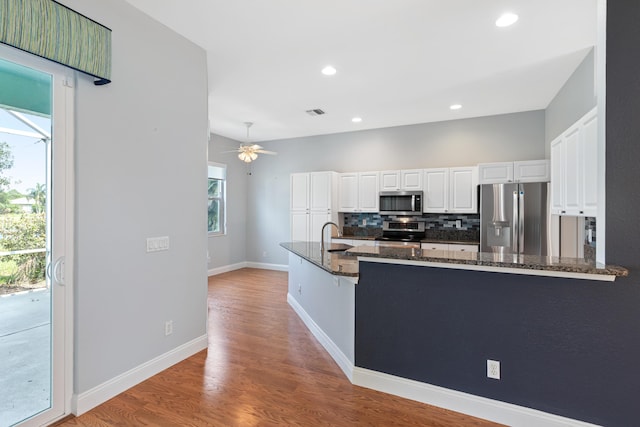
point(514, 218)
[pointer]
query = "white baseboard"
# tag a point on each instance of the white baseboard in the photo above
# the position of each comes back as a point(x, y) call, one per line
point(265, 266)
point(226, 268)
point(334, 351)
point(88, 400)
point(247, 264)
point(481, 407)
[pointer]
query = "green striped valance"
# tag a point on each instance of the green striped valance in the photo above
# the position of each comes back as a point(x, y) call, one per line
point(53, 31)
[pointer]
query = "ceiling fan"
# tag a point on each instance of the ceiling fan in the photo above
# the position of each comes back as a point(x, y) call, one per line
point(249, 152)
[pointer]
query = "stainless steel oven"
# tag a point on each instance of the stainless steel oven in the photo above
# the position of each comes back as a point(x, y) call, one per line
point(402, 233)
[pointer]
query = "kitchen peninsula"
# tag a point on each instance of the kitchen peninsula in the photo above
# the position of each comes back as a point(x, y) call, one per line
point(422, 324)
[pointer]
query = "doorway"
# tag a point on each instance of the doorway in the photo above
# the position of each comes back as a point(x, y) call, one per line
point(35, 278)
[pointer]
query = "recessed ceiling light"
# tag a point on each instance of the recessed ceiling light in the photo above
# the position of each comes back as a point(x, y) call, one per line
point(455, 107)
point(356, 119)
point(328, 70)
point(507, 19)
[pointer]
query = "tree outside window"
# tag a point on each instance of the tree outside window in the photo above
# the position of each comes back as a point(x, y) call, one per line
point(216, 199)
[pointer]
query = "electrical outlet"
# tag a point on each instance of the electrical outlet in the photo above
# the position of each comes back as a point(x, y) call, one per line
point(493, 369)
point(458, 223)
point(364, 222)
point(168, 327)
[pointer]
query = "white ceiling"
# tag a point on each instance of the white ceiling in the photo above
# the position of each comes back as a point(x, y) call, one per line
point(399, 61)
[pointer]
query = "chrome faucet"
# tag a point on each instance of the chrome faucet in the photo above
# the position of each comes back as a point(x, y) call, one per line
point(322, 234)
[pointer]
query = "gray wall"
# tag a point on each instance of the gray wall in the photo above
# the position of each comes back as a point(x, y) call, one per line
point(140, 172)
point(518, 136)
point(575, 99)
point(230, 248)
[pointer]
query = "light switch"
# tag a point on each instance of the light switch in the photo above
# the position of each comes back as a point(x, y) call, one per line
point(157, 244)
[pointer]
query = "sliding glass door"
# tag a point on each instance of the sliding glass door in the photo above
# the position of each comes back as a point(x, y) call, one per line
point(35, 102)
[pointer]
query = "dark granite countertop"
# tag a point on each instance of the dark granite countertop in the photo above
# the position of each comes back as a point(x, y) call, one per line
point(334, 262)
point(345, 263)
point(526, 262)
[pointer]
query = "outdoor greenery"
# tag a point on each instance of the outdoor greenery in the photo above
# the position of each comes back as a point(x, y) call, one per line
point(20, 230)
point(213, 212)
point(24, 231)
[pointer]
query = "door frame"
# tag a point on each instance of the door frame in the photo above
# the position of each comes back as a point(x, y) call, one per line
point(63, 178)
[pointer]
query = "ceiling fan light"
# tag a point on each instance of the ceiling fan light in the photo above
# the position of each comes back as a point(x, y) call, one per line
point(253, 156)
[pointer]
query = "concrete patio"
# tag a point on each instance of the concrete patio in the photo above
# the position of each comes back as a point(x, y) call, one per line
point(25, 367)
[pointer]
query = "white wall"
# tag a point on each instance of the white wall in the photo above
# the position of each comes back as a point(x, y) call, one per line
point(230, 249)
point(517, 136)
point(140, 171)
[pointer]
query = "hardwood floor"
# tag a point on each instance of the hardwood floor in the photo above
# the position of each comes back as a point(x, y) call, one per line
point(262, 368)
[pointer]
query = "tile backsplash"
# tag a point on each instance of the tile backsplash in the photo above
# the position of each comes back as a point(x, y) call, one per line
point(432, 221)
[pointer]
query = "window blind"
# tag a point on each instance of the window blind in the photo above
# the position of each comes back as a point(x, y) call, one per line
point(53, 31)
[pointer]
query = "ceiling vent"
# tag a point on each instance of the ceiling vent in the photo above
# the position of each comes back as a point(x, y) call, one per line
point(315, 112)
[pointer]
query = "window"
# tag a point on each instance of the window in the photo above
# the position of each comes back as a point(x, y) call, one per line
point(217, 174)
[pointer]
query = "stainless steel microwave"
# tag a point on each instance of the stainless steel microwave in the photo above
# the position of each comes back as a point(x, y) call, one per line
point(401, 202)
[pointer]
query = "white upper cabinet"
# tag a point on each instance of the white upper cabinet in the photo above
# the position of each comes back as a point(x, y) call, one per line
point(358, 192)
point(299, 191)
point(390, 180)
point(532, 171)
point(495, 173)
point(463, 190)
point(368, 200)
point(451, 190)
point(348, 192)
point(411, 179)
point(313, 199)
point(557, 175)
point(506, 172)
point(436, 190)
point(320, 190)
point(590, 162)
point(574, 170)
point(401, 180)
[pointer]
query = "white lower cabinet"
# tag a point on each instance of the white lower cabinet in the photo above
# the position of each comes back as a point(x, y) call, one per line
point(463, 247)
point(456, 247)
point(435, 246)
point(306, 226)
point(342, 241)
point(354, 242)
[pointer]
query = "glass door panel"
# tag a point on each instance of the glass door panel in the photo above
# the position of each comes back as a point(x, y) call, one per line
point(29, 348)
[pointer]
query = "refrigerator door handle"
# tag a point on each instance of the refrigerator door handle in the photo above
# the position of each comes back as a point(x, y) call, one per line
point(521, 223)
point(515, 225)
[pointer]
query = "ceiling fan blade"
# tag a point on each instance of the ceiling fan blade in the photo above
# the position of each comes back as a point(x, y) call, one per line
point(231, 151)
point(266, 152)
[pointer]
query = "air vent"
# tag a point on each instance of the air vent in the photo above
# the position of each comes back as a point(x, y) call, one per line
point(315, 112)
